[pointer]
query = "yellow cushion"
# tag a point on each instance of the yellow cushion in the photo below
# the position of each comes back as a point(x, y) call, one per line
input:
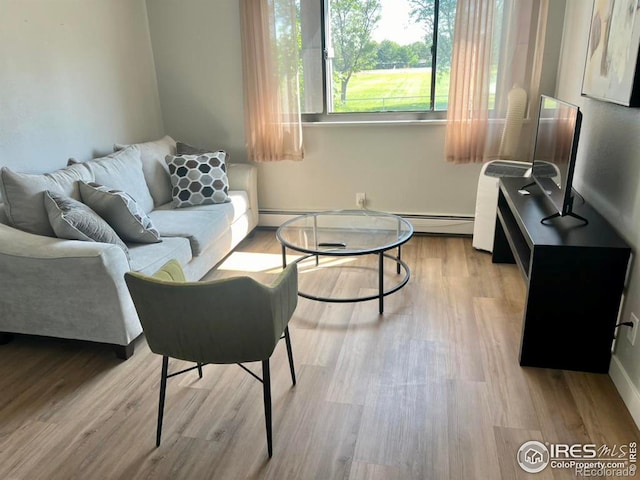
point(170, 272)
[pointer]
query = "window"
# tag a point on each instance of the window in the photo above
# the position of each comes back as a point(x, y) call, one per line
point(367, 59)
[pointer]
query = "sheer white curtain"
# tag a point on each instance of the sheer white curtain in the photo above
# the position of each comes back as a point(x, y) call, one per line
point(270, 68)
point(494, 50)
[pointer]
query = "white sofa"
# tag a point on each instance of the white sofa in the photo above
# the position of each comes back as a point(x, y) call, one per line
point(75, 289)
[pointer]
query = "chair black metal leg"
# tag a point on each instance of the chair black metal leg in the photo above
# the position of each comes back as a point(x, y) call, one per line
point(287, 340)
point(381, 282)
point(266, 389)
point(284, 257)
point(200, 370)
point(163, 390)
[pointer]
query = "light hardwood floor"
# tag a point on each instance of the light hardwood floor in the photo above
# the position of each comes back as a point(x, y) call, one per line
point(432, 389)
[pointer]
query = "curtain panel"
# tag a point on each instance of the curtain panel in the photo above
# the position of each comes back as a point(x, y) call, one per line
point(493, 52)
point(271, 88)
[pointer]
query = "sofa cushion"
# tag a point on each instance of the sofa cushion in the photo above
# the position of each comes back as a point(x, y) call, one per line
point(148, 258)
point(234, 209)
point(123, 171)
point(23, 195)
point(120, 211)
point(3, 214)
point(73, 220)
point(154, 167)
point(198, 179)
point(200, 226)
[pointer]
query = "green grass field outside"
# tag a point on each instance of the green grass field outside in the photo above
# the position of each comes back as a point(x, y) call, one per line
point(392, 90)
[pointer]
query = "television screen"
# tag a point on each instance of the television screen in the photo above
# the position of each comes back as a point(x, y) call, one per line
point(555, 150)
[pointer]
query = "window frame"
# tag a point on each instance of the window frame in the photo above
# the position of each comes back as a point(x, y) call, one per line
point(373, 117)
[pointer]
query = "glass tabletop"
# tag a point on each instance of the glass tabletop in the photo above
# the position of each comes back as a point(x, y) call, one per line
point(345, 232)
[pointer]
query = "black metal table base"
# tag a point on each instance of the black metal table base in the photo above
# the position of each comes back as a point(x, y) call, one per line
point(400, 265)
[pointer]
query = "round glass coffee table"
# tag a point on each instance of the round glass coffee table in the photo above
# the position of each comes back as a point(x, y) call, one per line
point(344, 233)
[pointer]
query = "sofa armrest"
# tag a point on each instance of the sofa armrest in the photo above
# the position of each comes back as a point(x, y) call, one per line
point(243, 176)
point(17, 243)
point(64, 288)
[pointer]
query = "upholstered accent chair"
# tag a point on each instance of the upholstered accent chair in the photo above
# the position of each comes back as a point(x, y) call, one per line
point(232, 320)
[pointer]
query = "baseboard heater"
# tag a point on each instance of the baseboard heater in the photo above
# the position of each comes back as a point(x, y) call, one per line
point(432, 224)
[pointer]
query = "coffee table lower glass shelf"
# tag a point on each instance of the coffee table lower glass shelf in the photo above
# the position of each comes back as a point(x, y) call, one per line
point(346, 233)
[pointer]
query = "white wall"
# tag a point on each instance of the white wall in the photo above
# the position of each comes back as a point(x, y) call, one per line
point(401, 168)
point(78, 75)
point(75, 77)
point(608, 176)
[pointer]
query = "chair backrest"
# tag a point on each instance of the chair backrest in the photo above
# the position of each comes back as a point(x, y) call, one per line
point(223, 321)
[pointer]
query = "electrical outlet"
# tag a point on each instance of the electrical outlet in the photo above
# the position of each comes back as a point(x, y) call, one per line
point(361, 199)
point(631, 331)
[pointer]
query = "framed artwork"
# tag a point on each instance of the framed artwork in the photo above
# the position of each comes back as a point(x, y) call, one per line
point(611, 71)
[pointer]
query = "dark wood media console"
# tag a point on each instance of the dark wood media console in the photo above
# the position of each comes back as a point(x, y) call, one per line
point(575, 277)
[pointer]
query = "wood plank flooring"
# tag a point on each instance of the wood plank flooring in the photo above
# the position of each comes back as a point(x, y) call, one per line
point(432, 389)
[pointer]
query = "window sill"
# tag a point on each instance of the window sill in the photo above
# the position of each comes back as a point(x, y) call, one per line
point(395, 123)
point(377, 123)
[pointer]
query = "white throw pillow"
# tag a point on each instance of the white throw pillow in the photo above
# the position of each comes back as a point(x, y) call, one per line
point(121, 212)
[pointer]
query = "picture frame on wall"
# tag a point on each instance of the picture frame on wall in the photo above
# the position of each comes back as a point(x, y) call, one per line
point(611, 70)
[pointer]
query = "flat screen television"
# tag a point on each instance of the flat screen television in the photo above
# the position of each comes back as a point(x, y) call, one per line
point(554, 154)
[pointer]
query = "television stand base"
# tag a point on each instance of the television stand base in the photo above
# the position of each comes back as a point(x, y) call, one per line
point(574, 279)
point(524, 187)
point(570, 214)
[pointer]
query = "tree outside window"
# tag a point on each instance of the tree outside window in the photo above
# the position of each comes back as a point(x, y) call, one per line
point(378, 55)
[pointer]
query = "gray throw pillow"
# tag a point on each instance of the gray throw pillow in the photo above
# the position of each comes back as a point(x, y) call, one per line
point(73, 220)
point(198, 179)
point(154, 167)
point(122, 171)
point(23, 195)
point(121, 212)
point(186, 149)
